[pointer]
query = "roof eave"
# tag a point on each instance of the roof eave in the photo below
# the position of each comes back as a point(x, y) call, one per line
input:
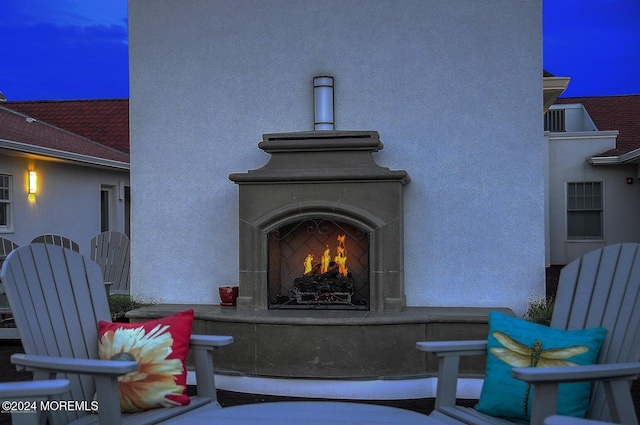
point(632, 157)
point(19, 148)
point(552, 88)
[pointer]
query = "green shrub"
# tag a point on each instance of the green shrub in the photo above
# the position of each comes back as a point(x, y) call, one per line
point(120, 304)
point(540, 310)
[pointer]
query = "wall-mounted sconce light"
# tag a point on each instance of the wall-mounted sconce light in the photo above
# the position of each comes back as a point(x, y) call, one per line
point(629, 180)
point(33, 182)
point(323, 103)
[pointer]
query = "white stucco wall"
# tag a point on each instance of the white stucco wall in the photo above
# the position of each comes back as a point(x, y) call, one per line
point(453, 87)
point(67, 202)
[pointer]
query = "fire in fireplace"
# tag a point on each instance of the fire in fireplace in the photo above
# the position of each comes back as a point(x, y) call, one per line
point(318, 263)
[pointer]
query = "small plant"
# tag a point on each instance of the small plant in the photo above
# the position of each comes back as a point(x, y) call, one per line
point(120, 304)
point(540, 310)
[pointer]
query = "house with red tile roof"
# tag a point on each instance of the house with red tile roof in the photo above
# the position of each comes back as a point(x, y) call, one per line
point(81, 185)
point(593, 174)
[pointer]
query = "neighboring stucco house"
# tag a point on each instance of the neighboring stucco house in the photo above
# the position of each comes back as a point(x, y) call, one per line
point(594, 174)
point(82, 185)
point(453, 88)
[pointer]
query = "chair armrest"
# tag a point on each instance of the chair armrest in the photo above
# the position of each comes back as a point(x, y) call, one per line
point(69, 365)
point(32, 389)
point(199, 341)
point(203, 347)
point(105, 374)
point(449, 353)
point(546, 380)
point(453, 348)
point(599, 372)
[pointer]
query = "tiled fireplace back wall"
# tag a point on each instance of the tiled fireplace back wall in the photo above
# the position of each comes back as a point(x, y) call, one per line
point(322, 175)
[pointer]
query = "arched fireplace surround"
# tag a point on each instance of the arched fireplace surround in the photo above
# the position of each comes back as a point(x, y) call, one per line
point(326, 175)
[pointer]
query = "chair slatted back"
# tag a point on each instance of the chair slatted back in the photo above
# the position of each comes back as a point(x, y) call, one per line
point(57, 297)
point(57, 240)
point(6, 246)
point(602, 288)
point(112, 252)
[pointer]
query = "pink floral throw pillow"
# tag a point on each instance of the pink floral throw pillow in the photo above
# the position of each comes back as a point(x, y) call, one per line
point(160, 346)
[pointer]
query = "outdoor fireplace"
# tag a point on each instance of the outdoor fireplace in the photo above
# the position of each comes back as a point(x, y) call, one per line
point(321, 271)
point(321, 225)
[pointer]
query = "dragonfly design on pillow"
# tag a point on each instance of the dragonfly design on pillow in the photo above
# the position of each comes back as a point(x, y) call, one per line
point(517, 354)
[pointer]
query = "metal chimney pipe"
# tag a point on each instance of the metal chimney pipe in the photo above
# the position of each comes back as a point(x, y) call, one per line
point(323, 103)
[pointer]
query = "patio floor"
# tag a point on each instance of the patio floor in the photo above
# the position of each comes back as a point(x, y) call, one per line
point(227, 398)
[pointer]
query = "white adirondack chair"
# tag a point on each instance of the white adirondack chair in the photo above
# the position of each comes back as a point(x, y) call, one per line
point(57, 297)
point(6, 246)
point(57, 240)
point(602, 288)
point(111, 251)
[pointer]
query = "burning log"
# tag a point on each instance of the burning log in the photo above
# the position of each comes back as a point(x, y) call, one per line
point(329, 281)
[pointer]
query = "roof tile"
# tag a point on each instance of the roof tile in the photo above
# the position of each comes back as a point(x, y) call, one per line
point(103, 120)
point(21, 128)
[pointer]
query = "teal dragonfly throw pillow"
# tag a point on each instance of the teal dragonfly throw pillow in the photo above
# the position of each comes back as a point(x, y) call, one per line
point(514, 342)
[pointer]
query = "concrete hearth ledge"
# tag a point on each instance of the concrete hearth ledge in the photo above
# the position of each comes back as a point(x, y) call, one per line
point(332, 344)
point(322, 316)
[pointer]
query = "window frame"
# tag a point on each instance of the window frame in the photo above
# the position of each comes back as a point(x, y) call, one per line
point(108, 208)
point(8, 227)
point(600, 209)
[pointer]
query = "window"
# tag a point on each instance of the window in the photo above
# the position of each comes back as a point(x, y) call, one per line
point(107, 208)
point(584, 210)
point(554, 121)
point(127, 211)
point(5, 202)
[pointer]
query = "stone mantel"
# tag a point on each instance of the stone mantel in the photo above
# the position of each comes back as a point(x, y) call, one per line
point(320, 156)
point(323, 174)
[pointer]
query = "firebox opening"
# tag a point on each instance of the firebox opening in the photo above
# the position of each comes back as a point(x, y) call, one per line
point(318, 263)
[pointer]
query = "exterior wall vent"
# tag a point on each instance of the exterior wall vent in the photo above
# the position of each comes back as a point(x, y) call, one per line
point(554, 121)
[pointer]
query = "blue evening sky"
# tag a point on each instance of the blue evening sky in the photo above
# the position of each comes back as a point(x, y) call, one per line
point(77, 49)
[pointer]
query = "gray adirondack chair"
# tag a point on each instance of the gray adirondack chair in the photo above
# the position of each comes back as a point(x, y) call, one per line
point(111, 251)
point(57, 297)
point(31, 392)
point(57, 240)
point(602, 288)
point(6, 246)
